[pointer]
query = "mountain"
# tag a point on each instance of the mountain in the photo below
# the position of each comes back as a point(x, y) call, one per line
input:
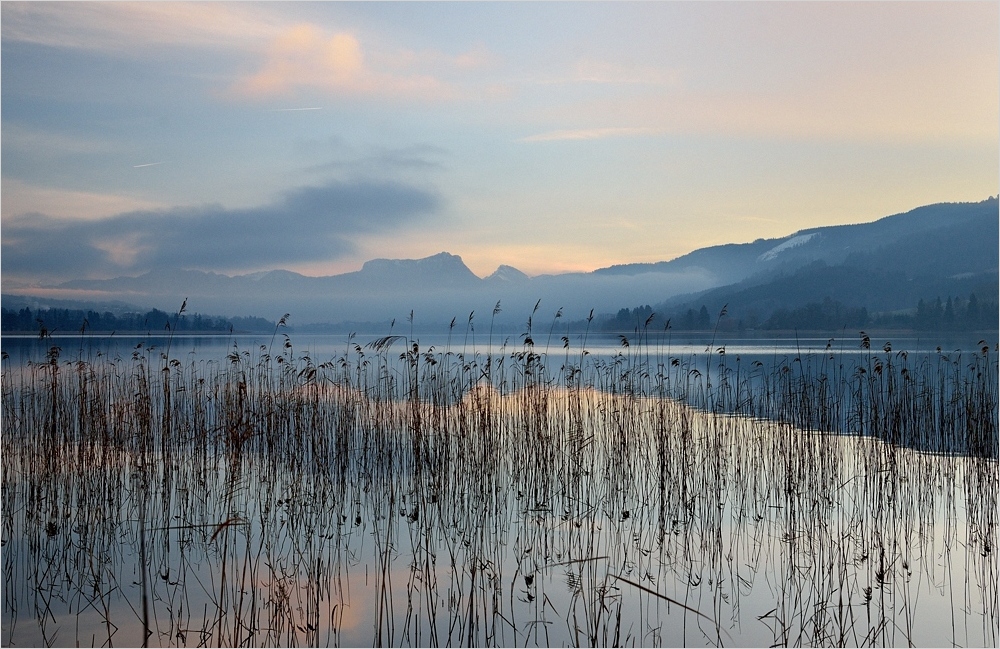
point(439, 287)
point(950, 251)
point(882, 265)
point(874, 290)
point(955, 234)
point(442, 271)
point(507, 275)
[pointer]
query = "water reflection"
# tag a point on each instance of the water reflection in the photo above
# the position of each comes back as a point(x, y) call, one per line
point(433, 500)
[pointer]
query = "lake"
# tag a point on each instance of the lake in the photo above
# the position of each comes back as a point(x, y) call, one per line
point(351, 493)
point(22, 348)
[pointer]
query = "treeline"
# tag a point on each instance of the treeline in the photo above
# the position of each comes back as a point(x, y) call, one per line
point(49, 321)
point(827, 315)
point(644, 317)
point(952, 314)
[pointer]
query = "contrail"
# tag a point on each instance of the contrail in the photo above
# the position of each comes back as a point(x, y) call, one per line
point(148, 164)
point(286, 110)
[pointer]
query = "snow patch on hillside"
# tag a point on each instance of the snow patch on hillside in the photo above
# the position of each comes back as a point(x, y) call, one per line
point(797, 240)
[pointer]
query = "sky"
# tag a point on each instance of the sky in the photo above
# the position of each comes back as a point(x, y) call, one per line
point(552, 137)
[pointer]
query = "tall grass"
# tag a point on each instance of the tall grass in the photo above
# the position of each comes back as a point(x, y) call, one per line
point(397, 494)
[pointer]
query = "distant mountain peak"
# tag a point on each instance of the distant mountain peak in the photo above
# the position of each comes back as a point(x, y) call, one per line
point(442, 269)
point(505, 273)
point(269, 274)
point(441, 259)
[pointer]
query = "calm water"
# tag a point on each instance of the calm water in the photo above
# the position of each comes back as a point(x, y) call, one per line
point(247, 505)
point(711, 373)
point(701, 350)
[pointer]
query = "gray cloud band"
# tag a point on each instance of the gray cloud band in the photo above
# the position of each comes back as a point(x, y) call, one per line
point(306, 224)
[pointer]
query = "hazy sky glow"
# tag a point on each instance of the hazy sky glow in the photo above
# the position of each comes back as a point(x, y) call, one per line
point(552, 137)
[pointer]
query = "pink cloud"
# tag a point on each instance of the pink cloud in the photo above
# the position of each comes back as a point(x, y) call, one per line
point(305, 57)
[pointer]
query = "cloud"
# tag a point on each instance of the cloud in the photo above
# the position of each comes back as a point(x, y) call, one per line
point(857, 109)
point(306, 57)
point(289, 54)
point(19, 138)
point(20, 197)
point(863, 109)
point(306, 224)
point(590, 134)
point(137, 26)
point(838, 72)
point(379, 160)
point(478, 58)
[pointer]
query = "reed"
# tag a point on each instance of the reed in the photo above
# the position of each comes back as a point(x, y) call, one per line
point(398, 494)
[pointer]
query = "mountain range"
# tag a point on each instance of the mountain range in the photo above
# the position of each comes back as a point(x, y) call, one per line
point(888, 264)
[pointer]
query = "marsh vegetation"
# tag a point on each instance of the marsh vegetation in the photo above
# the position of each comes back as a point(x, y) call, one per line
point(516, 494)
